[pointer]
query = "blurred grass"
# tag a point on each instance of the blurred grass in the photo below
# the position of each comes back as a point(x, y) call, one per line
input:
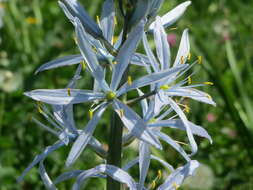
point(36, 31)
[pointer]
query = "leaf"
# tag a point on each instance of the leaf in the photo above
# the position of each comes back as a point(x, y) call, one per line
point(135, 124)
point(125, 54)
point(89, 56)
point(178, 124)
point(85, 136)
point(172, 16)
point(64, 96)
point(150, 79)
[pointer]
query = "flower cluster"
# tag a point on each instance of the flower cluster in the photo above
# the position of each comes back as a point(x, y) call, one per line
point(108, 63)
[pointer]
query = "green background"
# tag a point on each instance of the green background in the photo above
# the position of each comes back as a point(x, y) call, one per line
point(220, 31)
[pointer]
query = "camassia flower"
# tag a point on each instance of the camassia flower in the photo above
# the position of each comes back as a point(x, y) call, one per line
point(168, 88)
point(99, 51)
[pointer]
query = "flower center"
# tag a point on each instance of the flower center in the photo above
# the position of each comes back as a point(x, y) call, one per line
point(110, 95)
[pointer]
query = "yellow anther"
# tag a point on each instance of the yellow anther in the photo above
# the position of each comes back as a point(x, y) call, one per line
point(189, 56)
point(69, 93)
point(159, 174)
point(98, 19)
point(199, 59)
point(115, 20)
point(83, 65)
point(31, 20)
point(176, 186)
point(90, 114)
point(114, 39)
point(114, 62)
point(129, 80)
point(94, 49)
point(187, 109)
point(189, 80)
point(110, 95)
point(153, 185)
point(165, 87)
point(182, 60)
point(208, 83)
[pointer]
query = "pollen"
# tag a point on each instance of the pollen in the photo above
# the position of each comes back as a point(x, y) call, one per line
point(189, 80)
point(31, 20)
point(40, 110)
point(165, 87)
point(69, 93)
point(179, 142)
point(129, 80)
point(90, 114)
point(189, 56)
point(182, 60)
point(114, 62)
point(110, 95)
point(208, 83)
point(199, 59)
point(175, 28)
point(152, 120)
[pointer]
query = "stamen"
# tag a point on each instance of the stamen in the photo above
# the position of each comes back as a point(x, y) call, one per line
point(165, 87)
point(90, 114)
point(129, 80)
point(182, 60)
point(179, 142)
point(189, 56)
point(98, 20)
point(208, 96)
point(208, 83)
point(152, 120)
point(199, 59)
point(175, 28)
point(114, 62)
point(69, 94)
point(189, 80)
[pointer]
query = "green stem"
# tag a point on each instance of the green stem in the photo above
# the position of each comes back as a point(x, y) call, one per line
point(116, 129)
